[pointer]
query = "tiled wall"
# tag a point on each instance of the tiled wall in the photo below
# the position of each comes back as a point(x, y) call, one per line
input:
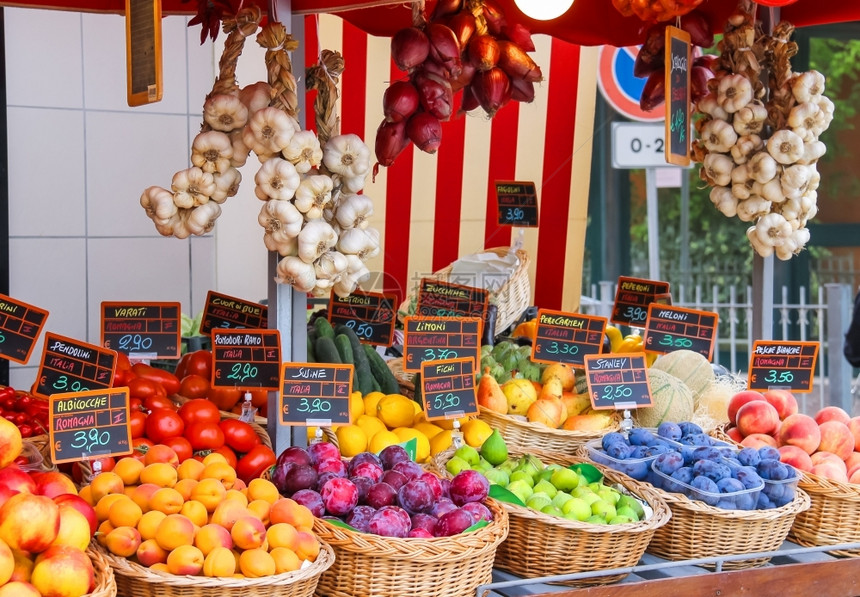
point(79, 159)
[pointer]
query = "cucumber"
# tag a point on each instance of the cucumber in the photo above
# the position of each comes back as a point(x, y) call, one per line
point(311, 357)
point(374, 385)
point(381, 372)
point(419, 394)
point(326, 351)
point(323, 327)
point(363, 373)
point(344, 348)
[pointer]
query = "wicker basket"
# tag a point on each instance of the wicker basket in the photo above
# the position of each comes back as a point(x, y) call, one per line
point(369, 565)
point(512, 298)
point(523, 436)
point(134, 580)
point(832, 515)
point(404, 379)
point(542, 545)
point(105, 581)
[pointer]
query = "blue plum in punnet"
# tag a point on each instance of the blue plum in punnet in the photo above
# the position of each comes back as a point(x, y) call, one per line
point(706, 453)
point(730, 485)
point(711, 469)
point(690, 428)
point(640, 437)
point(772, 470)
point(669, 462)
point(618, 450)
point(749, 477)
point(611, 438)
point(640, 452)
point(763, 502)
point(708, 490)
point(768, 453)
point(670, 430)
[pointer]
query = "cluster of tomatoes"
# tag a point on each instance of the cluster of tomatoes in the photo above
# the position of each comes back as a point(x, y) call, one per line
point(29, 413)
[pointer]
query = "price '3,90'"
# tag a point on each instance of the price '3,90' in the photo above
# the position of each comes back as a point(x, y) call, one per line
point(89, 439)
point(315, 405)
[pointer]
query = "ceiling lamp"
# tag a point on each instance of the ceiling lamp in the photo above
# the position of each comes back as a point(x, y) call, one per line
point(543, 10)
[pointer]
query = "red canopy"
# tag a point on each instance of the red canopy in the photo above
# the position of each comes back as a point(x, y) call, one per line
point(588, 22)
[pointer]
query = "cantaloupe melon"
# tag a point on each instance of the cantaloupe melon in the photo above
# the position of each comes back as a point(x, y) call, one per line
point(673, 400)
point(690, 367)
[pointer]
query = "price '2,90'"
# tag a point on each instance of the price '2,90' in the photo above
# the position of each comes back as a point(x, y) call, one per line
point(134, 343)
point(242, 371)
point(677, 342)
point(363, 330)
point(616, 392)
point(446, 401)
point(439, 354)
point(62, 384)
point(774, 376)
point(315, 405)
point(87, 440)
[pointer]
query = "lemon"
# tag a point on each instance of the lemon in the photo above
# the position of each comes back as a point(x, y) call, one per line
point(370, 425)
point(422, 447)
point(395, 411)
point(475, 432)
point(440, 442)
point(370, 402)
point(416, 408)
point(356, 405)
point(381, 440)
point(428, 429)
point(351, 439)
point(449, 423)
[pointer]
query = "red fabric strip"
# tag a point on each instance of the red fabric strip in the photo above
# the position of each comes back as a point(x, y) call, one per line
point(311, 58)
point(449, 191)
point(503, 166)
point(354, 81)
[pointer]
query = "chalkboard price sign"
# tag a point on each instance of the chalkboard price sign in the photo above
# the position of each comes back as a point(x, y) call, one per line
point(72, 366)
point(142, 328)
point(669, 328)
point(438, 339)
point(246, 359)
point(782, 364)
point(20, 326)
point(369, 314)
point(315, 394)
point(567, 337)
point(94, 423)
point(618, 380)
point(448, 388)
point(223, 311)
point(677, 96)
point(443, 299)
point(632, 297)
point(517, 203)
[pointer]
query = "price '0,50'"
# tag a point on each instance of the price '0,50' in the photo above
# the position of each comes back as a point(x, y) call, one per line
point(87, 440)
point(316, 405)
point(445, 401)
point(774, 376)
point(134, 343)
point(242, 371)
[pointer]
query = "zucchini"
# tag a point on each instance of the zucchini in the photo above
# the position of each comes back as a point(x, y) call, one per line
point(326, 351)
point(323, 328)
point(311, 357)
point(363, 373)
point(381, 372)
point(344, 349)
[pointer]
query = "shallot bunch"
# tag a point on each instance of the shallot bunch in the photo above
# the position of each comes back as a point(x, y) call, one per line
point(466, 46)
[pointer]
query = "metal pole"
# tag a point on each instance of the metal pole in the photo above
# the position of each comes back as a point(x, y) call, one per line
point(839, 304)
point(686, 279)
point(653, 234)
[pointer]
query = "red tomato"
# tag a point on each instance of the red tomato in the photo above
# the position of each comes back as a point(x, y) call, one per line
point(137, 420)
point(259, 397)
point(159, 402)
point(199, 410)
point(204, 436)
point(199, 363)
point(162, 423)
point(228, 454)
point(139, 447)
point(144, 388)
point(257, 460)
point(7, 392)
point(224, 398)
point(194, 386)
point(181, 446)
point(122, 362)
point(167, 379)
point(135, 404)
point(239, 435)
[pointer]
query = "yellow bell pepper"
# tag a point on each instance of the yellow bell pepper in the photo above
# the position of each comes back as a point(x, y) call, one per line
point(615, 338)
point(527, 329)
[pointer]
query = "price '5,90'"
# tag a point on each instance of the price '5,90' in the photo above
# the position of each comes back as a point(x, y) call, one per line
point(89, 439)
point(446, 401)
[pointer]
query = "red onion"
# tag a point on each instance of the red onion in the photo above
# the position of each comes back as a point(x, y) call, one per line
point(445, 8)
point(400, 101)
point(521, 36)
point(469, 100)
point(699, 77)
point(463, 24)
point(654, 92)
point(391, 139)
point(431, 66)
point(519, 65)
point(495, 17)
point(522, 91)
point(464, 78)
point(425, 131)
point(483, 51)
point(651, 55)
point(699, 29)
point(409, 48)
point(706, 60)
point(492, 88)
point(444, 47)
point(435, 95)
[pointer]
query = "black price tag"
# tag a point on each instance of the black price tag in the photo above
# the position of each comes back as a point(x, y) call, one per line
point(439, 338)
point(567, 337)
point(246, 359)
point(677, 96)
point(782, 364)
point(443, 299)
point(669, 328)
point(142, 328)
point(223, 311)
point(313, 394)
point(369, 314)
point(72, 366)
point(20, 326)
point(632, 297)
point(89, 424)
point(517, 204)
point(448, 389)
point(618, 381)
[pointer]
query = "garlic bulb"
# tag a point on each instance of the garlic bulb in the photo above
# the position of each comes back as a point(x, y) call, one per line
point(762, 167)
point(347, 155)
point(752, 208)
point(725, 201)
point(282, 248)
point(315, 238)
point(313, 195)
point(225, 112)
point(785, 146)
point(354, 211)
point(795, 180)
point(158, 204)
point(745, 147)
point(734, 92)
point(192, 187)
point(716, 170)
point(303, 151)
point(201, 219)
point(180, 228)
point(269, 131)
point(812, 152)
point(296, 273)
point(363, 243)
point(773, 229)
point(256, 96)
point(808, 86)
point(763, 249)
point(750, 119)
point(771, 190)
point(710, 106)
point(742, 182)
point(240, 150)
point(329, 268)
point(226, 184)
point(718, 136)
point(276, 179)
point(212, 151)
point(281, 220)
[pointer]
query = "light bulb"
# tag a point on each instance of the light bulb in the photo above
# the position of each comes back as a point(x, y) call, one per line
point(543, 10)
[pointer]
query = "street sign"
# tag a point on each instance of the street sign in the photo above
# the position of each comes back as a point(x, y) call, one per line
point(619, 87)
point(638, 145)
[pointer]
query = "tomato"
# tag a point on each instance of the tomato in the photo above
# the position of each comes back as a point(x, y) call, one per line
point(199, 363)
point(199, 410)
point(139, 447)
point(194, 386)
point(181, 365)
point(228, 454)
point(26, 430)
point(224, 398)
point(105, 462)
point(239, 435)
point(144, 388)
point(7, 392)
point(255, 462)
point(259, 397)
point(181, 446)
point(167, 379)
point(162, 423)
point(204, 436)
point(155, 402)
point(135, 404)
point(137, 421)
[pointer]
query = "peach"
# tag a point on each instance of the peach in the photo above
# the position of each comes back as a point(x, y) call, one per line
point(5, 494)
point(23, 566)
point(167, 500)
point(286, 560)
point(196, 512)
point(248, 532)
point(757, 440)
point(185, 559)
point(10, 442)
point(734, 434)
point(149, 552)
point(63, 572)
point(832, 413)
point(123, 541)
point(219, 562)
point(143, 493)
point(68, 500)
point(74, 529)
point(54, 483)
point(29, 522)
point(209, 492)
point(18, 588)
point(211, 536)
point(854, 477)
point(852, 461)
point(799, 430)
point(822, 456)
point(783, 401)
point(836, 438)
point(148, 523)
point(738, 400)
point(228, 512)
point(854, 426)
point(831, 471)
point(16, 479)
point(105, 483)
point(255, 563)
point(796, 457)
point(757, 416)
point(175, 530)
point(7, 563)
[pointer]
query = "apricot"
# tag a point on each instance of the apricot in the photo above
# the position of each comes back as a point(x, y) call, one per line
point(308, 546)
point(102, 508)
point(282, 534)
point(211, 536)
point(159, 473)
point(123, 541)
point(149, 552)
point(124, 513)
point(196, 512)
point(190, 469)
point(248, 532)
point(227, 513)
point(219, 562)
point(185, 487)
point(175, 530)
point(286, 560)
point(221, 471)
point(128, 469)
point(288, 510)
point(148, 523)
point(254, 563)
point(104, 484)
point(263, 489)
point(167, 500)
point(209, 492)
point(185, 559)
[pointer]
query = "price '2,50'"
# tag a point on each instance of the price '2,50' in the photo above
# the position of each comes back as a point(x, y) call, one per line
point(446, 401)
point(774, 376)
point(134, 343)
point(363, 330)
point(242, 371)
point(87, 440)
point(616, 392)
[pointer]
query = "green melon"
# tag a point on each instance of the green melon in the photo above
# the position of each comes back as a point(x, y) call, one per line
point(673, 400)
point(690, 367)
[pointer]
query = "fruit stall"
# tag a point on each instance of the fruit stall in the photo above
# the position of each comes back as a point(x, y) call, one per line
point(450, 437)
